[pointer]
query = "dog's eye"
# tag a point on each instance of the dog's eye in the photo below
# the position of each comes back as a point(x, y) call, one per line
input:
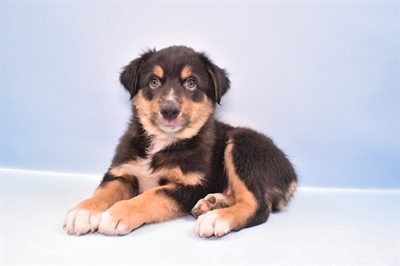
point(154, 83)
point(190, 84)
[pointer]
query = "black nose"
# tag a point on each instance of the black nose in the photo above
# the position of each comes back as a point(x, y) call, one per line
point(169, 112)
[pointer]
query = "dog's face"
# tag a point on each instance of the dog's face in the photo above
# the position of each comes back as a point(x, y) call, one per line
point(174, 90)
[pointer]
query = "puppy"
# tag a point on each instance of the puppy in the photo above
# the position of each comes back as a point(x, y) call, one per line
point(175, 158)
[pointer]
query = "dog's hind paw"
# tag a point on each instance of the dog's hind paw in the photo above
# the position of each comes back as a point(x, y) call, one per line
point(210, 224)
point(212, 202)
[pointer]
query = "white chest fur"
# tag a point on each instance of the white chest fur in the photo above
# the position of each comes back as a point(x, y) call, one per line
point(160, 142)
point(141, 168)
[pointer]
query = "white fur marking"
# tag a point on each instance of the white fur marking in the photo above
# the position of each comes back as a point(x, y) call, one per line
point(69, 222)
point(171, 95)
point(94, 221)
point(147, 179)
point(80, 222)
point(110, 227)
point(142, 171)
point(170, 129)
point(221, 227)
point(210, 224)
point(147, 182)
point(159, 142)
point(106, 225)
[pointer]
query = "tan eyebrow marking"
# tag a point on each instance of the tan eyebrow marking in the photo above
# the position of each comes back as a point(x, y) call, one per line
point(158, 71)
point(186, 72)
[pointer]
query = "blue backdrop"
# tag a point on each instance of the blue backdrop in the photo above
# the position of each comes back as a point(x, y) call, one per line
point(320, 78)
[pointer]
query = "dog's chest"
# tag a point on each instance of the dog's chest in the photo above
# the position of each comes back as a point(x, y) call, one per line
point(159, 143)
point(148, 178)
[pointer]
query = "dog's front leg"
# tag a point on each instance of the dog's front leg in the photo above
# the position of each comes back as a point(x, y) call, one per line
point(86, 215)
point(153, 205)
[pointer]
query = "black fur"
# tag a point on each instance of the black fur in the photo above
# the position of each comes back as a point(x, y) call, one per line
point(132, 185)
point(174, 153)
point(132, 73)
point(261, 165)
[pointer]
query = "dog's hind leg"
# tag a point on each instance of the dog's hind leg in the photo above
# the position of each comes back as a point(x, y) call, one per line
point(221, 221)
point(261, 178)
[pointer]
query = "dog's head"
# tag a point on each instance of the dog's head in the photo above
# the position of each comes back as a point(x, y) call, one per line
point(174, 90)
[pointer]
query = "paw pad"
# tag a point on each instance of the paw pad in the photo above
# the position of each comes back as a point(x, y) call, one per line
point(207, 204)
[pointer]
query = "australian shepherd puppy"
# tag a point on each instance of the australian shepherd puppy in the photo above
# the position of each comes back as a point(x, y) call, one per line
point(175, 158)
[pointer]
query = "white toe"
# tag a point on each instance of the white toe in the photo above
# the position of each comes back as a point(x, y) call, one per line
point(106, 225)
point(82, 223)
point(69, 222)
point(210, 224)
point(94, 221)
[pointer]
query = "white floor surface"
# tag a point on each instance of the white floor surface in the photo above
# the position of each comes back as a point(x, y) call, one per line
point(320, 227)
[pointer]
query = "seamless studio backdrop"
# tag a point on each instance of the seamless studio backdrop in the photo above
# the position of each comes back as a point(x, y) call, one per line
point(320, 78)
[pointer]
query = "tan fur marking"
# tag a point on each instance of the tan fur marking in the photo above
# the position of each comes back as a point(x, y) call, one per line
point(132, 168)
point(269, 203)
point(158, 71)
point(175, 175)
point(105, 196)
point(281, 204)
point(291, 190)
point(112, 192)
point(199, 114)
point(245, 208)
point(186, 72)
point(144, 111)
point(196, 113)
point(144, 174)
point(214, 78)
point(288, 194)
point(228, 200)
point(155, 207)
point(150, 207)
point(139, 170)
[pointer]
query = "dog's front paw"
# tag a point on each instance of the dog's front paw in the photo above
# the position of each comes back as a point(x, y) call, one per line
point(85, 217)
point(120, 219)
point(210, 224)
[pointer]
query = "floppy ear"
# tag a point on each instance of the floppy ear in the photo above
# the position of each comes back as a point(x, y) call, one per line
point(130, 75)
point(219, 77)
point(220, 80)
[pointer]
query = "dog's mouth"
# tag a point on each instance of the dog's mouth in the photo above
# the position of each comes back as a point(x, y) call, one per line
point(169, 125)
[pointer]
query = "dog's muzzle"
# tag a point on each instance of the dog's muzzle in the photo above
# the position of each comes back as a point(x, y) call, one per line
point(169, 120)
point(170, 111)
